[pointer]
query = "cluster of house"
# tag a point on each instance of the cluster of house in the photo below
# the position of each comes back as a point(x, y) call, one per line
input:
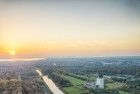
point(99, 84)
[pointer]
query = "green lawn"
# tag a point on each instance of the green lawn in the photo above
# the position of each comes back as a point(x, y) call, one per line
point(74, 90)
point(77, 87)
point(74, 81)
point(114, 85)
point(123, 92)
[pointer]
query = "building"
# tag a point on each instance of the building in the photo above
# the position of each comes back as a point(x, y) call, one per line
point(94, 85)
point(100, 81)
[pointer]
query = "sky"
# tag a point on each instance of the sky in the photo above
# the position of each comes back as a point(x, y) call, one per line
point(40, 28)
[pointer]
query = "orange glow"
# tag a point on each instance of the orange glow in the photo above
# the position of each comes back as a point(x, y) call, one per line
point(31, 49)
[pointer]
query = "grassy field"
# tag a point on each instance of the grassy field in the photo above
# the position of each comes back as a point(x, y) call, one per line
point(74, 81)
point(74, 90)
point(114, 85)
point(77, 87)
point(123, 92)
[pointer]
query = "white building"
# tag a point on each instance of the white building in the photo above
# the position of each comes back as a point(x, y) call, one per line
point(100, 83)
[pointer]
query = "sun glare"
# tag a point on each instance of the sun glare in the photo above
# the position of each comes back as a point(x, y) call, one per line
point(12, 53)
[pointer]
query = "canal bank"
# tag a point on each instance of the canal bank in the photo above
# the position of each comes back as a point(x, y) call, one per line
point(54, 89)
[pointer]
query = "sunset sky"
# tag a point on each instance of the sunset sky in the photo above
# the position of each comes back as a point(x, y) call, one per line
point(38, 28)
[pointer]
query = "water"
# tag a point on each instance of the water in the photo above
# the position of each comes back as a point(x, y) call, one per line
point(50, 84)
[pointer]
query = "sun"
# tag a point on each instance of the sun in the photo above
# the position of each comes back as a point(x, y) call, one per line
point(13, 53)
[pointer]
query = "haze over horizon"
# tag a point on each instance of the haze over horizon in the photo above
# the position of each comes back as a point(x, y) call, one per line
point(69, 28)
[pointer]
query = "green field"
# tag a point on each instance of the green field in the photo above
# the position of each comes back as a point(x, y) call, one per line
point(114, 85)
point(77, 87)
point(123, 92)
point(74, 81)
point(74, 90)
